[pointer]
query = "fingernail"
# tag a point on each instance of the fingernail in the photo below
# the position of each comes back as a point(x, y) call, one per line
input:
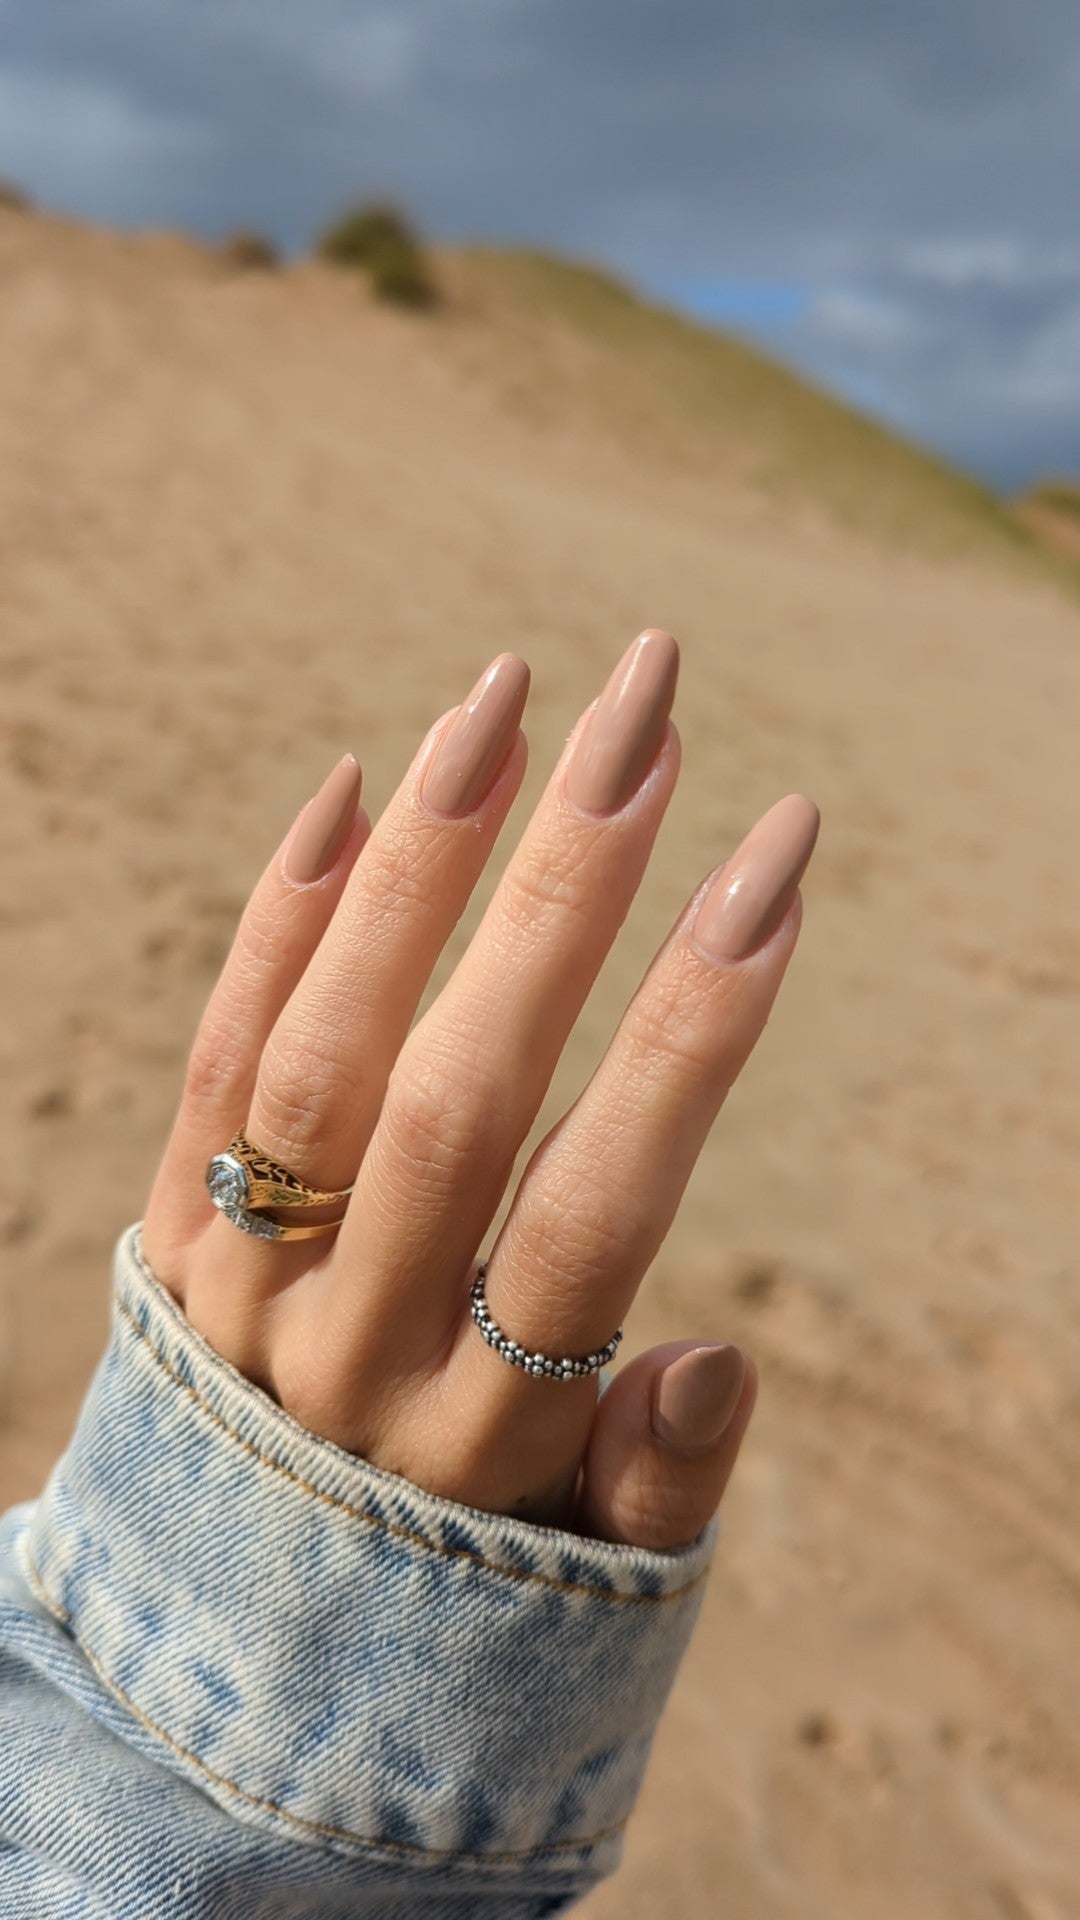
point(696, 1396)
point(473, 751)
point(325, 824)
point(620, 740)
point(754, 889)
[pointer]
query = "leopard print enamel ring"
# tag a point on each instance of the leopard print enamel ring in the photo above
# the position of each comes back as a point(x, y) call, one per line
point(245, 1183)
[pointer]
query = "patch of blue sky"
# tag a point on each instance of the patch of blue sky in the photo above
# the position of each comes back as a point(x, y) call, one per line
point(785, 318)
point(760, 308)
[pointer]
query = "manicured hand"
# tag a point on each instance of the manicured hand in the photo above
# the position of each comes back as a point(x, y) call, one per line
point(366, 1336)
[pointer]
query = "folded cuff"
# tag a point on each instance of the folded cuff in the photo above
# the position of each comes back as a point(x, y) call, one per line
point(332, 1653)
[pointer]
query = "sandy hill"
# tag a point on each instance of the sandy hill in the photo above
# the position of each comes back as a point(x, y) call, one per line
point(1051, 512)
point(247, 520)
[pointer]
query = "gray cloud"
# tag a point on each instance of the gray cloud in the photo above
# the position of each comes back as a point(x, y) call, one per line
point(912, 165)
point(974, 349)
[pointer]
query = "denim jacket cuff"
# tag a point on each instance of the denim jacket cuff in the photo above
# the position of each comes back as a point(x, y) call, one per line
point(329, 1652)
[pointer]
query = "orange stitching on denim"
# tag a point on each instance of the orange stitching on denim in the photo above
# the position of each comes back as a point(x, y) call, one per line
point(388, 1526)
point(297, 1819)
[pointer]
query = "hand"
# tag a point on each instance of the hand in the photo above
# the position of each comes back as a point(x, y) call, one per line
point(365, 1336)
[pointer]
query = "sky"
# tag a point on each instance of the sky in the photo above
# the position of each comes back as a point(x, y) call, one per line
point(882, 193)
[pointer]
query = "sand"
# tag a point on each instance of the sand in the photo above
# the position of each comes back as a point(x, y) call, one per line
point(249, 521)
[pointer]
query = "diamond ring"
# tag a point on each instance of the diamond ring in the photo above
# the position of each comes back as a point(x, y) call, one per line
point(244, 1179)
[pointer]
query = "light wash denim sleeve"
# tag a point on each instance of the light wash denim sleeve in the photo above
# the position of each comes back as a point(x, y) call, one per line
point(245, 1674)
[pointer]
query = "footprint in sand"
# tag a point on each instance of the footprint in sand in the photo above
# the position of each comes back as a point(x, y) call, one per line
point(55, 1101)
point(865, 1753)
point(32, 753)
point(196, 937)
point(1051, 971)
point(17, 1220)
point(1024, 1903)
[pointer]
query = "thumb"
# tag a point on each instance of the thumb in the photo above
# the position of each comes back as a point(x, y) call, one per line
point(663, 1443)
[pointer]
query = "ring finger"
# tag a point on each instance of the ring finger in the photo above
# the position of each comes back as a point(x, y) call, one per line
point(324, 1065)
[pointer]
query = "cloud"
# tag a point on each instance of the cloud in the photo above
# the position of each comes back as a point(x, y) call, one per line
point(106, 137)
point(908, 170)
point(973, 349)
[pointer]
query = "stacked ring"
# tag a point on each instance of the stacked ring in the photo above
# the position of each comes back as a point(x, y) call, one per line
point(243, 1180)
point(536, 1364)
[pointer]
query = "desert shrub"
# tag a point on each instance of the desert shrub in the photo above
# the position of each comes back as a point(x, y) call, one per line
point(12, 198)
point(249, 252)
point(401, 273)
point(377, 239)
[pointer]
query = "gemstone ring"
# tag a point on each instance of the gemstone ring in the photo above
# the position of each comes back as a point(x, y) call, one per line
point(243, 1179)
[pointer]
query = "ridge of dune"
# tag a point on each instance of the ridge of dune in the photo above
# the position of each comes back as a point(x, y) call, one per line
point(250, 520)
point(1051, 511)
point(690, 394)
point(567, 350)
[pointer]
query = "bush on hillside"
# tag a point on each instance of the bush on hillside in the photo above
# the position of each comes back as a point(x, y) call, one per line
point(377, 239)
point(12, 198)
point(249, 252)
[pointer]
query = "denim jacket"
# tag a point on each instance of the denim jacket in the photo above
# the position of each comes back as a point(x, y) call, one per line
point(245, 1674)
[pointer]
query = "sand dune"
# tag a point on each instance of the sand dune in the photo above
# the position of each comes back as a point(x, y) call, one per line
point(248, 521)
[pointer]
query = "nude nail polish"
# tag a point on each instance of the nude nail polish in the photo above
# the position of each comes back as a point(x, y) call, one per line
point(622, 736)
point(697, 1394)
point(754, 889)
point(474, 749)
point(325, 824)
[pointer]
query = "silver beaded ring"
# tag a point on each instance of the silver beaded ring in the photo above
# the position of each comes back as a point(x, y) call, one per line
point(537, 1364)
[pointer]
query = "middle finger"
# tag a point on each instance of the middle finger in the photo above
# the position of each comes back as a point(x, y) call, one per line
point(471, 1076)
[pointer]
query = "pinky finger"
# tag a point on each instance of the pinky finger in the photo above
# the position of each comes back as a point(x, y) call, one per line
point(663, 1444)
point(281, 926)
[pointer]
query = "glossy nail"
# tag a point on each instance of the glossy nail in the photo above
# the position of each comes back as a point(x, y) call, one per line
point(696, 1396)
point(622, 736)
point(754, 889)
point(325, 824)
point(474, 749)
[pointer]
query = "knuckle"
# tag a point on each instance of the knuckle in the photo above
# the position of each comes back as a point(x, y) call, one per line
point(672, 1031)
point(574, 1236)
point(670, 1051)
point(303, 1089)
point(218, 1067)
point(439, 1120)
point(396, 868)
point(258, 947)
point(545, 890)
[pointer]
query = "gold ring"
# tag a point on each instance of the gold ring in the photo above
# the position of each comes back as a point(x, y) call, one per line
point(243, 1178)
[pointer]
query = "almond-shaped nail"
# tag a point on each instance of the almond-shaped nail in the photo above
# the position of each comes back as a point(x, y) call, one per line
point(325, 823)
point(754, 889)
point(473, 751)
point(622, 736)
point(696, 1396)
